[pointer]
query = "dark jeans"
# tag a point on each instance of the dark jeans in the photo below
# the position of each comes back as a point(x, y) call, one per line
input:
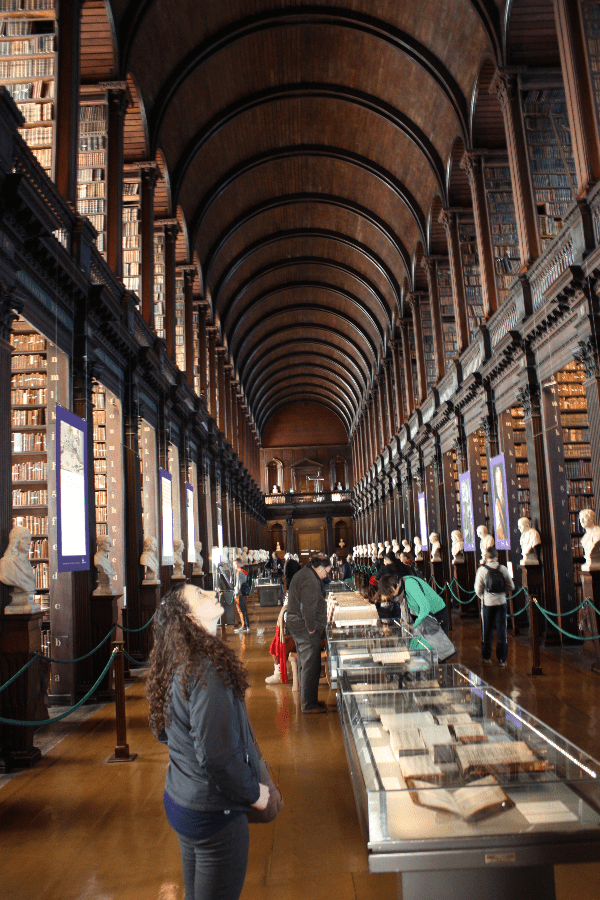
point(308, 649)
point(241, 605)
point(214, 868)
point(442, 618)
point(494, 617)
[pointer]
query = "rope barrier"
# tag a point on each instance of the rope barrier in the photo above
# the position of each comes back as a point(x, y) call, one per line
point(69, 711)
point(122, 627)
point(14, 678)
point(514, 615)
point(136, 662)
point(80, 658)
point(575, 637)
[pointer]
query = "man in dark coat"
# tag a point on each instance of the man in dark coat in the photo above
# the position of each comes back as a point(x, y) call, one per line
point(306, 622)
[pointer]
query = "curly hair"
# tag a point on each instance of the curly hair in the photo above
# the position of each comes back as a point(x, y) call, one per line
point(182, 648)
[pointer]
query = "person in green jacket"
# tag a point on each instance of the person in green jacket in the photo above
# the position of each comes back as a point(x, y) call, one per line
point(423, 601)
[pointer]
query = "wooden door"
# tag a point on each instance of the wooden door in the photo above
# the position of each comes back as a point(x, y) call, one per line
point(310, 543)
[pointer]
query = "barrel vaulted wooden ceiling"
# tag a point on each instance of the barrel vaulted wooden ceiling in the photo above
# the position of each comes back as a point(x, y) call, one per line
point(308, 149)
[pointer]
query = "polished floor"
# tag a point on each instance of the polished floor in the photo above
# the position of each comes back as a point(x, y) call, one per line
point(76, 828)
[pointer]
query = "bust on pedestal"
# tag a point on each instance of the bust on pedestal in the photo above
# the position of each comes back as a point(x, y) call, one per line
point(16, 572)
point(178, 563)
point(406, 547)
point(457, 547)
point(530, 538)
point(436, 547)
point(395, 546)
point(486, 541)
point(198, 569)
point(418, 549)
point(149, 560)
point(104, 568)
point(590, 541)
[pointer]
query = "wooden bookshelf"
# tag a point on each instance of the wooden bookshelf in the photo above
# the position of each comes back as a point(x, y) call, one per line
point(551, 160)
point(159, 283)
point(100, 461)
point(469, 258)
point(28, 69)
point(447, 308)
point(483, 466)
point(179, 323)
point(428, 346)
point(578, 466)
point(521, 464)
point(591, 28)
point(196, 345)
point(503, 224)
point(132, 259)
point(91, 168)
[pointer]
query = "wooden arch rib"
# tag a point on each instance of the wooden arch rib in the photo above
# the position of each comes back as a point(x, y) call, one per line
point(287, 401)
point(367, 25)
point(296, 261)
point(332, 314)
point(337, 340)
point(307, 348)
point(328, 287)
point(296, 91)
point(98, 46)
point(301, 393)
point(307, 362)
point(363, 250)
point(292, 199)
point(137, 11)
point(383, 175)
point(321, 373)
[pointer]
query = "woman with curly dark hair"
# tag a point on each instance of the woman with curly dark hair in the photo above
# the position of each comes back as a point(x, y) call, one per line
point(195, 689)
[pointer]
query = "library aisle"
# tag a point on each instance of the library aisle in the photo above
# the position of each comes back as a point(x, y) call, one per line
point(76, 828)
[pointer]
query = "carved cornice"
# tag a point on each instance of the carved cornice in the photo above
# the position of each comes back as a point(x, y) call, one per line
point(11, 304)
point(587, 355)
point(529, 398)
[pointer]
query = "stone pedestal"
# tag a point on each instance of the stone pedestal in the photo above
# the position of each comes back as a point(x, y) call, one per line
point(586, 617)
point(149, 600)
point(532, 578)
point(104, 613)
point(464, 584)
point(198, 581)
point(437, 570)
point(20, 638)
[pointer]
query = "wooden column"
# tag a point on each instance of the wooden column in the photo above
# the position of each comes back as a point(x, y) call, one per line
point(149, 175)
point(212, 372)
point(430, 266)
point(372, 439)
point(227, 403)
point(506, 88)
point(450, 222)
point(587, 354)
point(414, 302)
point(579, 81)
point(389, 395)
point(472, 163)
point(396, 354)
point(171, 229)
point(407, 359)
point(67, 99)
point(221, 389)
point(188, 299)
point(117, 104)
point(202, 350)
point(378, 410)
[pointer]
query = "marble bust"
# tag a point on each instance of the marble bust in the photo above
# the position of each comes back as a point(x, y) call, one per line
point(436, 547)
point(17, 572)
point(104, 567)
point(590, 541)
point(458, 547)
point(198, 569)
point(406, 547)
point(395, 546)
point(530, 538)
point(178, 563)
point(244, 555)
point(149, 560)
point(486, 541)
point(418, 549)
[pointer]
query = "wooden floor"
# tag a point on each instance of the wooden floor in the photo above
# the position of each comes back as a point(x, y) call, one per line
point(76, 828)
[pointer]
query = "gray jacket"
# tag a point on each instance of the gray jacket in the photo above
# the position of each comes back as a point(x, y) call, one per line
point(306, 607)
point(212, 760)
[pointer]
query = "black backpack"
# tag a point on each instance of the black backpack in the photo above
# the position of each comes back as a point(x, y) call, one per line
point(494, 581)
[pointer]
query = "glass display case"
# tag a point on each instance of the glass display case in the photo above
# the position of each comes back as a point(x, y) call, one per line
point(456, 785)
point(373, 648)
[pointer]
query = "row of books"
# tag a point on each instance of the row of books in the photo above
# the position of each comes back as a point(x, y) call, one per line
point(36, 112)
point(30, 471)
point(27, 68)
point(91, 142)
point(91, 189)
point(85, 175)
point(30, 498)
point(576, 469)
point(35, 524)
point(42, 576)
point(40, 43)
point(29, 380)
point(99, 463)
point(39, 549)
point(28, 361)
point(28, 442)
point(33, 396)
point(100, 482)
point(20, 418)
point(25, 5)
point(28, 342)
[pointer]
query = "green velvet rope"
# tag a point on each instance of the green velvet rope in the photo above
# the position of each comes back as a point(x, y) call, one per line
point(68, 711)
point(80, 658)
point(122, 627)
point(575, 637)
point(20, 672)
point(136, 662)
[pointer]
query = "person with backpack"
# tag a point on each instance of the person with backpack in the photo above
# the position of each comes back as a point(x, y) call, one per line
point(492, 581)
point(241, 591)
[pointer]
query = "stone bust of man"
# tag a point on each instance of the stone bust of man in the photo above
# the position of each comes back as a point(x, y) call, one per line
point(104, 567)
point(458, 547)
point(199, 564)
point(17, 572)
point(406, 547)
point(486, 541)
point(149, 560)
point(436, 547)
point(418, 549)
point(178, 563)
point(590, 541)
point(530, 538)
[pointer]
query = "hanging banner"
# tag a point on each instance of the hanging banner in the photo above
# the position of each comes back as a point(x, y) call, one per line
point(73, 548)
point(423, 521)
point(466, 510)
point(500, 502)
point(166, 514)
point(220, 527)
point(191, 525)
